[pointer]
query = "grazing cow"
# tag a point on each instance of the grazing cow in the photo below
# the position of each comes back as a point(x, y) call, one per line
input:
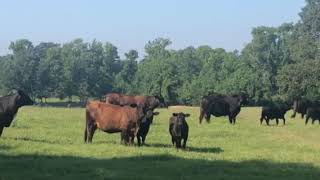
point(151, 102)
point(179, 129)
point(144, 128)
point(314, 114)
point(221, 105)
point(112, 119)
point(301, 106)
point(274, 112)
point(9, 106)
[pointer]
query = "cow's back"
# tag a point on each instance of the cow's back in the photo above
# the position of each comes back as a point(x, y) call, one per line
point(112, 118)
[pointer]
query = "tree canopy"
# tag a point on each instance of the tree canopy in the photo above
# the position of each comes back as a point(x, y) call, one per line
point(278, 62)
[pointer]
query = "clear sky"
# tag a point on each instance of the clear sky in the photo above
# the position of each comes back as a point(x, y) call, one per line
point(129, 24)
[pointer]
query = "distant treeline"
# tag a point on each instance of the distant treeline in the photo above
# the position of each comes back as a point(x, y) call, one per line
point(280, 62)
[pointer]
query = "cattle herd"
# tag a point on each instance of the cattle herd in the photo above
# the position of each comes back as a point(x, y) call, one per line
point(132, 115)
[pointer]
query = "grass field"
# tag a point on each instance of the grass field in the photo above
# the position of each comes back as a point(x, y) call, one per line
point(47, 143)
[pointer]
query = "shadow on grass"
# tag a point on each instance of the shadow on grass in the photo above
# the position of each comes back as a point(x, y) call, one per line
point(148, 167)
point(4, 147)
point(191, 149)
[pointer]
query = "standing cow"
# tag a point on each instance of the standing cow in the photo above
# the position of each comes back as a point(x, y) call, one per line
point(151, 102)
point(112, 119)
point(9, 106)
point(221, 105)
point(144, 127)
point(301, 106)
point(313, 113)
point(179, 129)
point(274, 112)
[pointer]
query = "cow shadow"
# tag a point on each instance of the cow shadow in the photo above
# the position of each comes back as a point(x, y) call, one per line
point(189, 148)
point(148, 167)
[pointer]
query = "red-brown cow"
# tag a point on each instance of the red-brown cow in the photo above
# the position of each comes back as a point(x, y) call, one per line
point(112, 119)
point(151, 102)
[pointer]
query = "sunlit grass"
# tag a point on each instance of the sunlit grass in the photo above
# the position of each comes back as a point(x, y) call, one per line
point(47, 143)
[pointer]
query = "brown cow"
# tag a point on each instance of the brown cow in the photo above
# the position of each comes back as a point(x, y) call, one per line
point(112, 119)
point(151, 102)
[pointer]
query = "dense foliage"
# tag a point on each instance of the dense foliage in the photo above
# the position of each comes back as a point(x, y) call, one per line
point(279, 62)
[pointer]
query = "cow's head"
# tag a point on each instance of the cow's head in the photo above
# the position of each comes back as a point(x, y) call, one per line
point(144, 112)
point(180, 120)
point(156, 101)
point(161, 101)
point(243, 98)
point(23, 99)
point(149, 117)
point(286, 106)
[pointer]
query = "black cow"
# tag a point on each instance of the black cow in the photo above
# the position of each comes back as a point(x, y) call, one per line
point(179, 129)
point(314, 114)
point(221, 105)
point(274, 112)
point(144, 128)
point(301, 106)
point(9, 106)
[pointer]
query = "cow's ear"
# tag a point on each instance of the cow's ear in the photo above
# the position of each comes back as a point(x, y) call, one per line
point(174, 114)
point(186, 115)
point(156, 113)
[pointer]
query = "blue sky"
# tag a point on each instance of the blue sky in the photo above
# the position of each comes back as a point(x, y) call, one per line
point(130, 24)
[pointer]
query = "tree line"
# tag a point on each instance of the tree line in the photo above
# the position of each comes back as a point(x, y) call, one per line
point(279, 62)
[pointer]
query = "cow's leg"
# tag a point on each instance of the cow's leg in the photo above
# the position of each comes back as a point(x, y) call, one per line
point(139, 140)
point(172, 140)
point(261, 120)
point(85, 134)
point(1, 130)
point(230, 119)
point(143, 139)
point(132, 140)
point(207, 117)
point(307, 119)
point(277, 120)
point(267, 120)
point(313, 121)
point(184, 142)
point(284, 121)
point(234, 120)
point(91, 129)
point(201, 116)
point(123, 136)
point(302, 115)
point(178, 142)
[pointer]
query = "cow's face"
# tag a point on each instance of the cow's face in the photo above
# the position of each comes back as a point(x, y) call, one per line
point(243, 99)
point(23, 99)
point(144, 113)
point(148, 118)
point(151, 118)
point(180, 120)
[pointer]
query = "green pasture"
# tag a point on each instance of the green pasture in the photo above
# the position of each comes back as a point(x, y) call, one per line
point(47, 143)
